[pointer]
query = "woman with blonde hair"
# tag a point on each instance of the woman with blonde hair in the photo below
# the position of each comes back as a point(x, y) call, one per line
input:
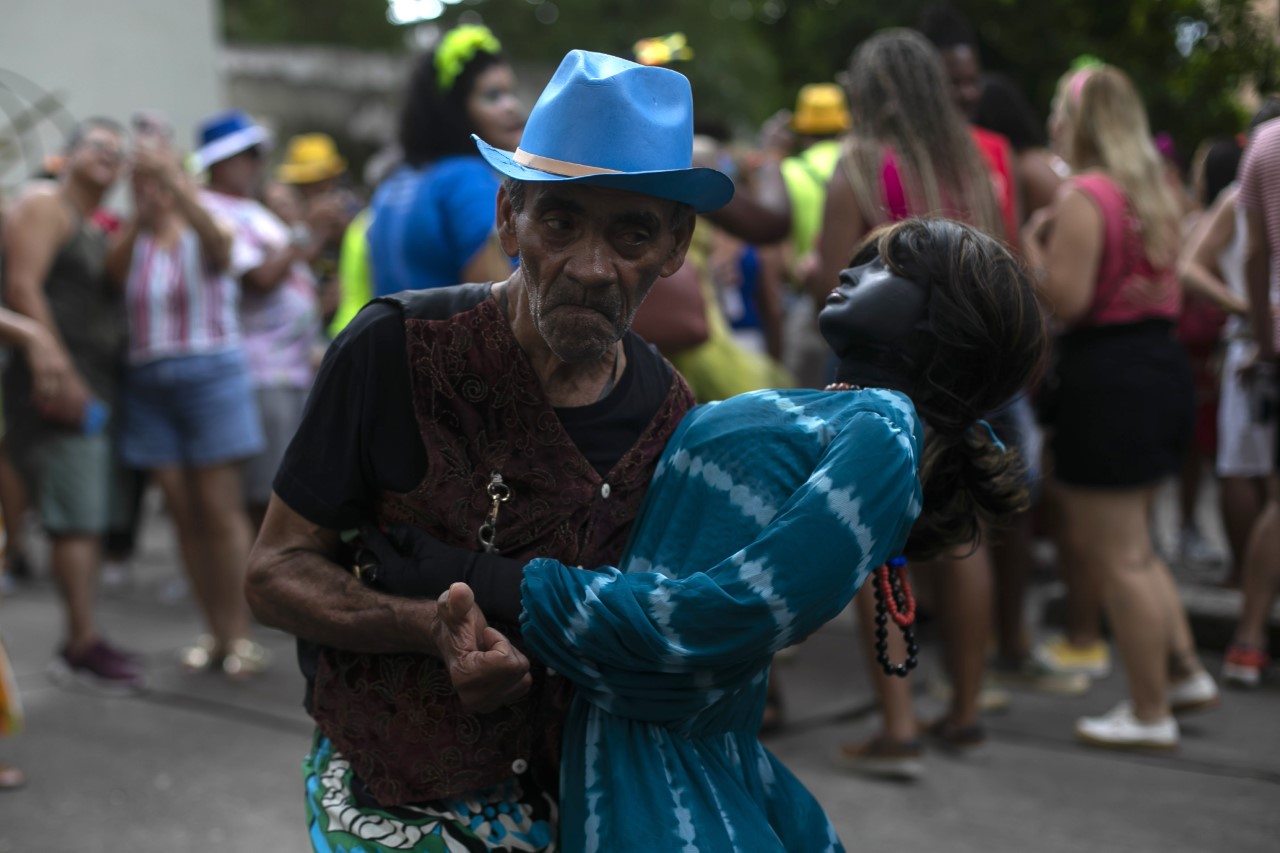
point(1121, 391)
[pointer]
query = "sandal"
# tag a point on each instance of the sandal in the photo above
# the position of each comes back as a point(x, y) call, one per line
point(11, 778)
point(954, 738)
point(245, 659)
point(201, 656)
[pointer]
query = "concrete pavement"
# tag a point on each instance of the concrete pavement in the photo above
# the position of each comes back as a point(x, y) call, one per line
point(200, 763)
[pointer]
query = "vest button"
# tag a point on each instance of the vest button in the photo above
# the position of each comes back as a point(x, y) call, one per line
point(519, 766)
point(604, 490)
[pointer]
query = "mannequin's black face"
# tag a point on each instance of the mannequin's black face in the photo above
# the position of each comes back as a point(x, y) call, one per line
point(872, 308)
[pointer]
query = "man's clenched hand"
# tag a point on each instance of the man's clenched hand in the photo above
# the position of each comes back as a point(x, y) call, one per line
point(486, 670)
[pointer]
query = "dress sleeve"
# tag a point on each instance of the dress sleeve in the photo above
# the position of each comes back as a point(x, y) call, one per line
point(644, 645)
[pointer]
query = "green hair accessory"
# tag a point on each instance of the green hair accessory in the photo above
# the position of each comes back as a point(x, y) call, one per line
point(458, 47)
point(1086, 61)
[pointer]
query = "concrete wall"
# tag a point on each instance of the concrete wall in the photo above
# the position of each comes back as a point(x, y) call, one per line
point(107, 57)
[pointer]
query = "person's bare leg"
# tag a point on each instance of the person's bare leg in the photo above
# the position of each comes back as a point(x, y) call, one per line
point(1189, 477)
point(74, 561)
point(1010, 564)
point(176, 486)
point(226, 531)
point(1240, 502)
point(1081, 577)
point(13, 506)
point(966, 623)
point(1113, 531)
point(897, 711)
point(1261, 578)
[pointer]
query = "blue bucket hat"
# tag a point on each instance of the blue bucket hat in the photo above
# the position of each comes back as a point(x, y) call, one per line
point(607, 122)
point(226, 135)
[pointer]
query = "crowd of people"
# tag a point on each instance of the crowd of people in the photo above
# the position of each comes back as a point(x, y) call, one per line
point(527, 439)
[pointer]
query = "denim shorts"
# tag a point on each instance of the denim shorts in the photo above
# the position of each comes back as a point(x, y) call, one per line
point(192, 410)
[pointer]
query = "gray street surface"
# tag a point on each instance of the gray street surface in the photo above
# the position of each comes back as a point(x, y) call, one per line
point(200, 763)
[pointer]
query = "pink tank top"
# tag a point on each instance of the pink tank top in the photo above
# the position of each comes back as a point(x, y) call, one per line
point(996, 156)
point(1130, 288)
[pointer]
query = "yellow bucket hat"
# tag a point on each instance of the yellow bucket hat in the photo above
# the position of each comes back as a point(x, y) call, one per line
point(309, 158)
point(821, 109)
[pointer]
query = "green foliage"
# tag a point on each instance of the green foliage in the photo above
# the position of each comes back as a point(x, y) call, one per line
point(349, 23)
point(752, 56)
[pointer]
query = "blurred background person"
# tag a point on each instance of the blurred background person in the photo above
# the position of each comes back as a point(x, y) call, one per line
point(808, 143)
point(432, 220)
point(1013, 142)
point(1123, 406)
point(314, 168)
point(683, 315)
point(189, 414)
point(41, 352)
point(58, 415)
point(1003, 109)
point(911, 153)
point(1212, 265)
point(1200, 328)
point(279, 310)
point(1247, 657)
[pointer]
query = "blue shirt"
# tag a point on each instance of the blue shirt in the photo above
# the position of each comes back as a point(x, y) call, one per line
point(428, 222)
point(765, 515)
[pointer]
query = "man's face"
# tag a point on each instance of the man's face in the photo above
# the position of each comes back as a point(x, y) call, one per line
point(965, 72)
point(588, 257)
point(98, 158)
point(240, 173)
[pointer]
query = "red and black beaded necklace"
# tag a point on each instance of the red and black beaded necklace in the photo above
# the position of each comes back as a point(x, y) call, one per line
point(894, 599)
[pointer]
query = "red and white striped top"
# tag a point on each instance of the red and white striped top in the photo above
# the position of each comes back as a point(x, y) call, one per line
point(1260, 185)
point(177, 304)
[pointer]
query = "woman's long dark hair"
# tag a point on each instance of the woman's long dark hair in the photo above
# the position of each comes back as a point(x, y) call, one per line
point(434, 124)
point(984, 341)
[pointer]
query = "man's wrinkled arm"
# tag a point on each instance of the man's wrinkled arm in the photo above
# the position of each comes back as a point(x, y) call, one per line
point(295, 583)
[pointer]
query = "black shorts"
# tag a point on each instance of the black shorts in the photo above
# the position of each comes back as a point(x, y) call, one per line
point(1123, 406)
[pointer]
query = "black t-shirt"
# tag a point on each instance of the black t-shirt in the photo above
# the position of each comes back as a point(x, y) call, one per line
point(359, 435)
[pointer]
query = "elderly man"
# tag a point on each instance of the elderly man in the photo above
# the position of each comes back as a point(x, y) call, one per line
point(515, 419)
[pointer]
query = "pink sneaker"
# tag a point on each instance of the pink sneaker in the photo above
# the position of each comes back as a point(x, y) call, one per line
point(100, 667)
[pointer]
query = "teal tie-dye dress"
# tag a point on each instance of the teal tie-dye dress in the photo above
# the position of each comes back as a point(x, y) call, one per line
point(765, 515)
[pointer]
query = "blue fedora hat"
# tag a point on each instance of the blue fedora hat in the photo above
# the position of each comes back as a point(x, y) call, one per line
point(226, 135)
point(611, 123)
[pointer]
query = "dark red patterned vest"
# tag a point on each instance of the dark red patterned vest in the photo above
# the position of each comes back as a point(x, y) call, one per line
point(481, 411)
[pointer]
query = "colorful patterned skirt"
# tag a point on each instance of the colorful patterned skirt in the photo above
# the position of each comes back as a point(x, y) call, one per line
point(507, 817)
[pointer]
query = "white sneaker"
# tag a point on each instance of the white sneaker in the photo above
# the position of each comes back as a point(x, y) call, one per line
point(1194, 548)
point(1120, 729)
point(1197, 693)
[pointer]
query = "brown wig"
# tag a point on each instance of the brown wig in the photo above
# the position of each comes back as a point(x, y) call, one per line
point(983, 341)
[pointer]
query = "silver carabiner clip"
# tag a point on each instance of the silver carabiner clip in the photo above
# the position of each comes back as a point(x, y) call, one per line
point(499, 493)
